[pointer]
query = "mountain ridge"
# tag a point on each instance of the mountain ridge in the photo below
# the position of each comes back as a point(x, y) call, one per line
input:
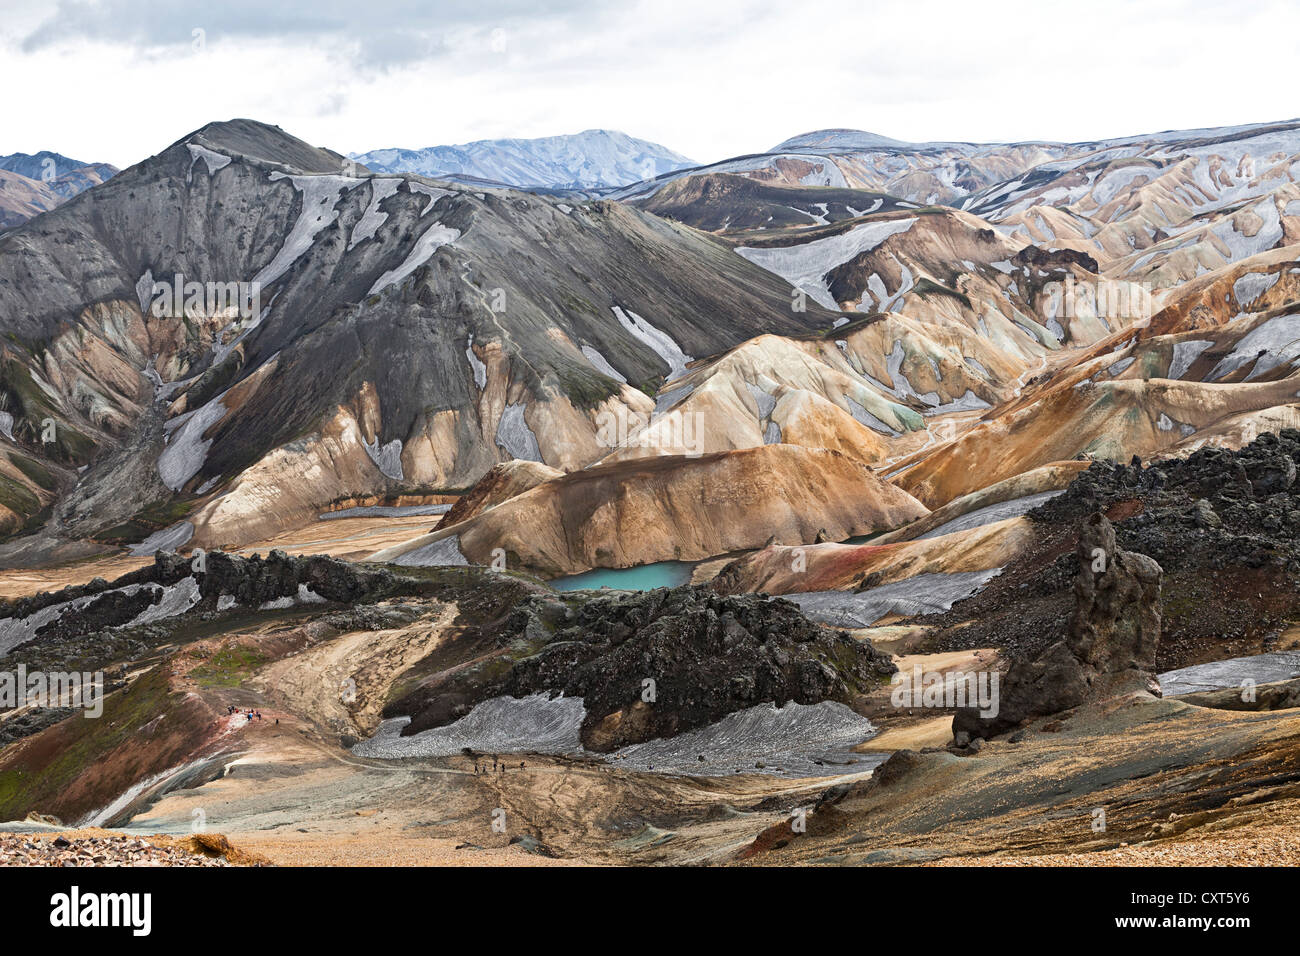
point(377, 348)
point(848, 139)
point(33, 183)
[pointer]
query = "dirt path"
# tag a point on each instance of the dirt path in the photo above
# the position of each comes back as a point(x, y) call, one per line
point(343, 684)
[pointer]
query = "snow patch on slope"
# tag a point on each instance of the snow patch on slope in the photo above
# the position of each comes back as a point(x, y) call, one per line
point(1241, 246)
point(433, 192)
point(373, 217)
point(320, 196)
point(1269, 345)
point(514, 435)
point(171, 538)
point(434, 238)
point(793, 740)
point(922, 594)
point(175, 599)
point(387, 458)
point(211, 158)
point(479, 369)
point(601, 364)
point(444, 551)
point(1185, 355)
point(15, 631)
point(1252, 285)
point(537, 723)
point(661, 343)
point(187, 449)
point(805, 265)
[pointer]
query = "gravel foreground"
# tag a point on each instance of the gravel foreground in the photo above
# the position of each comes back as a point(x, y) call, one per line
point(105, 848)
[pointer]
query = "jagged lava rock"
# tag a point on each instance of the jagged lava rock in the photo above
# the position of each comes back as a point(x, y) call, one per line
point(1110, 648)
point(708, 655)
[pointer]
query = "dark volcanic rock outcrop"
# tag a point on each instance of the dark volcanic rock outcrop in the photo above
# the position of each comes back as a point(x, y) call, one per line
point(55, 622)
point(255, 580)
point(1224, 525)
point(1110, 648)
point(1215, 508)
point(707, 656)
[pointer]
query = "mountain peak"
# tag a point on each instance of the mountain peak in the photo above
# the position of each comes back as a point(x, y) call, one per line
point(257, 140)
point(837, 139)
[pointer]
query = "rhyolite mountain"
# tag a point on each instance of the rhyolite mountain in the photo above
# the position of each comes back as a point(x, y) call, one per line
point(961, 367)
point(983, 176)
point(593, 159)
point(408, 335)
point(412, 334)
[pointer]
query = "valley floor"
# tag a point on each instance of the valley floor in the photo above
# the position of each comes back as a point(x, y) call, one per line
point(1177, 784)
point(1132, 781)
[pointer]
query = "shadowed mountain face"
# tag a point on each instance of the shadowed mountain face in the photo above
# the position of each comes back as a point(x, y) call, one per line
point(734, 203)
point(378, 332)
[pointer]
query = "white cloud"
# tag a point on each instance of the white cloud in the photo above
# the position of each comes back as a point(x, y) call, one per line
point(117, 80)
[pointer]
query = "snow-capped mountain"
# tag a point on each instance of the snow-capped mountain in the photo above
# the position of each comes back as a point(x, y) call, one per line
point(592, 159)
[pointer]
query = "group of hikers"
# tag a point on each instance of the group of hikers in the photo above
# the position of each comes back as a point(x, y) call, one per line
point(251, 714)
point(495, 768)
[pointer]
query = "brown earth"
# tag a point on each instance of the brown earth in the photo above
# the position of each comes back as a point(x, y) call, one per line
point(669, 508)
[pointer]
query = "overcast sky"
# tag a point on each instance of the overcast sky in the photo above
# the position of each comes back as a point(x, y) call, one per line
point(118, 80)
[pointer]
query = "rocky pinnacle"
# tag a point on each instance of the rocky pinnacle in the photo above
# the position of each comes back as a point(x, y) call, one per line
point(1109, 650)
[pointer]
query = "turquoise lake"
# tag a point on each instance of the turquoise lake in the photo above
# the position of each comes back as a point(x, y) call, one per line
point(643, 577)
